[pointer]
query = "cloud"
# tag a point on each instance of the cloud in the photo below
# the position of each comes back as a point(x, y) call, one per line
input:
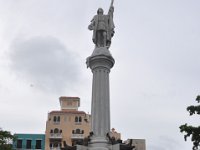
point(45, 62)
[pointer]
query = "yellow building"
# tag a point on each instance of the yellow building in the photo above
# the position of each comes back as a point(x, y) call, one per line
point(67, 124)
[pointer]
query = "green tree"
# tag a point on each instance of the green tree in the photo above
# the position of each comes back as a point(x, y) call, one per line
point(192, 131)
point(6, 139)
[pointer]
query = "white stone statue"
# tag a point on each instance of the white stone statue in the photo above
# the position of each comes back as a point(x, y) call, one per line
point(103, 27)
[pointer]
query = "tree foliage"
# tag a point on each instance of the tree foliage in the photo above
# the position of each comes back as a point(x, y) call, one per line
point(6, 139)
point(192, 131)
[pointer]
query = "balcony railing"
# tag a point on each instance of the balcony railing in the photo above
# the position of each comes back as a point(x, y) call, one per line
point(77, 136)
point(55, 135)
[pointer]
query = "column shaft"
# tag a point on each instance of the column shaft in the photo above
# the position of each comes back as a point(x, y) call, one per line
point(100, 101)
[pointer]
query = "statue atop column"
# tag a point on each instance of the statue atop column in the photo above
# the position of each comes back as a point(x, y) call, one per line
point(103, 27)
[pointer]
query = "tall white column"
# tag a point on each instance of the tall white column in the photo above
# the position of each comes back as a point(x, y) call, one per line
point(100, 63)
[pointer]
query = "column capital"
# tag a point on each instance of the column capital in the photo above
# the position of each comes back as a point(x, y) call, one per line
point(100, 58)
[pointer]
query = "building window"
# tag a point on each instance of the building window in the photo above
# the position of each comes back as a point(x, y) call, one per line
point(51, 145)
point(38, 144)
point(78, 131)
point(78, 120)
point(19, 143)
point(56, 130)
point(56, 145)
point(51, 131)
point(28, 144)
point(56, 119)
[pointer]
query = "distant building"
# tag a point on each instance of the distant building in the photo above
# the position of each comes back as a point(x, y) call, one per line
point(67, 124)
point(139, 144)
point(29, 141)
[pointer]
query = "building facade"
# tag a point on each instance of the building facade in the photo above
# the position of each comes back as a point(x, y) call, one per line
point(139, 144)
point(29, 141)
point(67, 124)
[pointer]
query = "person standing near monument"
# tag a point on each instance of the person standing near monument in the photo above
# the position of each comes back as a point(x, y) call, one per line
point(103, 27)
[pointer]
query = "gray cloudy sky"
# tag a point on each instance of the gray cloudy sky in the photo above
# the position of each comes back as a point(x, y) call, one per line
point(44, 45)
